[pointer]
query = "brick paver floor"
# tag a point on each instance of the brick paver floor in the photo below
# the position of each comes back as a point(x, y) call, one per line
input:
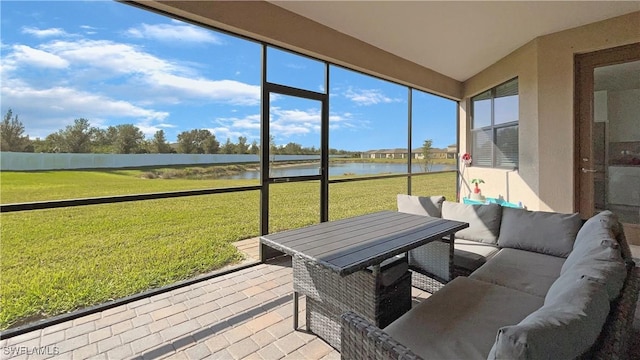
point(246, 314)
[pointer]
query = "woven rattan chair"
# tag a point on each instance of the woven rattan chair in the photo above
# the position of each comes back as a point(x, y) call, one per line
point(380, 297)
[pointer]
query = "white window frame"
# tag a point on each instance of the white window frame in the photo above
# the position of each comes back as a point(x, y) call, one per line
point(492, 129)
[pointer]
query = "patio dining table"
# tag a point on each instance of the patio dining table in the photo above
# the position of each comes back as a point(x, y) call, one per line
point(333, 261)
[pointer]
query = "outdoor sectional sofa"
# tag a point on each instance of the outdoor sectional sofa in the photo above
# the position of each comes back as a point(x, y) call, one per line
point(555, 288)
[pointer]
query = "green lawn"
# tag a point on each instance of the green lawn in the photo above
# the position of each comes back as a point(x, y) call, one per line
point(58, 260)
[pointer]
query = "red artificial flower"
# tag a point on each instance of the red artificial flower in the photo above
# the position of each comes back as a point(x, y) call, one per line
point(467, 159)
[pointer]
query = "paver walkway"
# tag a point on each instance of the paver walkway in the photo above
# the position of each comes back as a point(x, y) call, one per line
point(242, 315)
point(246, 314)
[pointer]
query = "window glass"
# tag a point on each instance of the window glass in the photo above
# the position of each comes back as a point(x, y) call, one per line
point(433, 132)
point(495, 126)
point(506, 103)
point(81, 256)
point(293, 205)
point(482, 110)
point(287, 68)
point(482, 147)
point(294, 125)
point(442, 183)
point(368, 125)
point(355, 198)
point(507, 146)
point(124, 88)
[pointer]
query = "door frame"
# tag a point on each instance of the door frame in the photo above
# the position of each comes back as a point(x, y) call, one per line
point(584, 66)
point(265, 134)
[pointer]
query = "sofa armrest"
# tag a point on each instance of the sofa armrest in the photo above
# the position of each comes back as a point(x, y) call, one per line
point(613, 341)
point(361, 340)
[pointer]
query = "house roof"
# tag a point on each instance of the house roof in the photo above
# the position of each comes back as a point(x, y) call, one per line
point(455, 38)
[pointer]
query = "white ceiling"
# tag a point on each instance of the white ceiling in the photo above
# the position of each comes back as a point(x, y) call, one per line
point(455, 38)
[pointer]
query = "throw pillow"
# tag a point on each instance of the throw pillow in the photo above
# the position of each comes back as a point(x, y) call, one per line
point(543, 232)
point(420, 205)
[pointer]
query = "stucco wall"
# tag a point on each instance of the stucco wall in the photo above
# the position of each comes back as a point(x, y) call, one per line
point(545, 69)
point(521, 185)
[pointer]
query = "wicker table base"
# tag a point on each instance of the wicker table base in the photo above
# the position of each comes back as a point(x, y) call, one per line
point(329, 295)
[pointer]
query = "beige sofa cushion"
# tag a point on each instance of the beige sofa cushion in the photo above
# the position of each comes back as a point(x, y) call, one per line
point(420, 205)
point(527, 271)
point(484, 220)
point(461, 320)
point(594, 240)
point(597, 255)
point(564, 328)
point(544, 232)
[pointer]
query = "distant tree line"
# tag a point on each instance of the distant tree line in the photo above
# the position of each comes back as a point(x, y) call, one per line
point(81, 137)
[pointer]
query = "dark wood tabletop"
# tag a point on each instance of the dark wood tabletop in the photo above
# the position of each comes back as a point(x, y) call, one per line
point(348, 245)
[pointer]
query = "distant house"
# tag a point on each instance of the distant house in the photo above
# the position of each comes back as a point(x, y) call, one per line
point(390, 154)
point(402, 153)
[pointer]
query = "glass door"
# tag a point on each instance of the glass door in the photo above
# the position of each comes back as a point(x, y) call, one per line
point(295, 169)
point(608, 136)
point(294, 157)
point(616, 140)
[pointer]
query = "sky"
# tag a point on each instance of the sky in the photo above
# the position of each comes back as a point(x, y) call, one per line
point(113, 63)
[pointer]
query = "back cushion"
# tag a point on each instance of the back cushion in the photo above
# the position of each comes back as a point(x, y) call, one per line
point(597, 254)
point(420, 205)
point(484, 220)
point(564, 328)
point(544, 232)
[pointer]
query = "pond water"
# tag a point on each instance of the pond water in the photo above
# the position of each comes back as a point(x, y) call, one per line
point(339, 169)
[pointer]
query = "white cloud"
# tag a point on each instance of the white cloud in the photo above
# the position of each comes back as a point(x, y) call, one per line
point(368, 97)
point(89, 30)
point(30, 56)
point(44, 111)
point(223, 133)
point(343, 121)
point(234, 127)
point(159, 74)
point(109, 55)
point(285, 123)
point(228, 91)
point(174, 32)
point(41, 33)
point(104, 59)
point(149, 129)
point(114, 71)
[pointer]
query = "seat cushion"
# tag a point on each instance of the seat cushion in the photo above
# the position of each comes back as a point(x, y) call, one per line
point(527, 271)
point(461, 320)
point(484, 220)
point(420, 205)
point(544, 232)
